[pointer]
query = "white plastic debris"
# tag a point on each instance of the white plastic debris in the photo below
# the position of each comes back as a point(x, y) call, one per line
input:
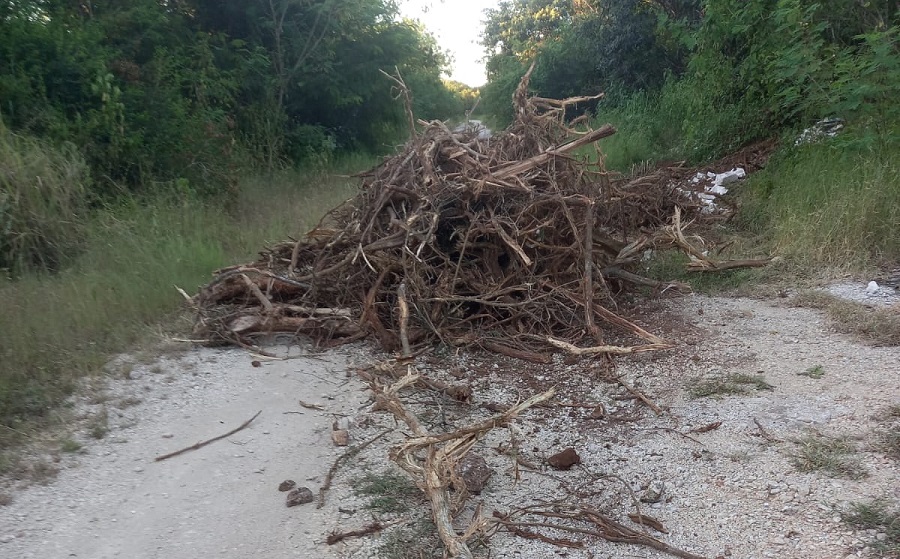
point(713, 187)
point(825, 128)
point(872, 288)
point(729, 177)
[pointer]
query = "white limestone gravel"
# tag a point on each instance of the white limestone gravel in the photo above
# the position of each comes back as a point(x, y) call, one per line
point(728, 492)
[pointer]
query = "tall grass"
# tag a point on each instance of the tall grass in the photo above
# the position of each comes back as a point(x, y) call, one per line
point(682, 121)
point(829, 204)
point(56, 328)
point(43, 191)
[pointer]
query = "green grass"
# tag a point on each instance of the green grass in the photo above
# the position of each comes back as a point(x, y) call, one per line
point(642, 133)
point(834, 456)
point(887, 437)
point(830, 204)
point(43, 196)
point(880, 327)
point(415, 540)
point(58, 328)
point(727, 385)
point(815, 372)
point(388, 492)
point(878, 515)
point(70, 445)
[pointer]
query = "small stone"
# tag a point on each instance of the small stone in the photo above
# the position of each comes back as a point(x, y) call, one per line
point(474, 472)
point(654, 492)
point(299, 496)
point(256, 363)
point(565, 459)
point(167, 435)
point(881, 536)
point(287, 485)
point(7, 538)
point(138, 470)
point(340, 437)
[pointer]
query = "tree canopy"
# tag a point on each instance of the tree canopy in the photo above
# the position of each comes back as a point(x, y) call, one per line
point(728, 71)
point(163, 90)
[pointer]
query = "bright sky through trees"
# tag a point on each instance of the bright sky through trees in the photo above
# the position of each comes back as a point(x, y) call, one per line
point(457, 25)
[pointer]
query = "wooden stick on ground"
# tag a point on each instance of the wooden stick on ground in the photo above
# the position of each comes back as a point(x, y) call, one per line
point(432, 474)
point(765, 434)
point(589, 273)
point(372, 528)
point(640, 396)
point(212, 440)
point(345, 456)
point(605, 349)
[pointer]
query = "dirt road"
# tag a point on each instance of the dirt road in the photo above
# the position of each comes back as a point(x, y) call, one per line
point(219, 501)
point(732, 491)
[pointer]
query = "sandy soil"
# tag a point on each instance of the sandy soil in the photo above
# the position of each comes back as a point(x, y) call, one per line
point(729, 492)
point(218, 501)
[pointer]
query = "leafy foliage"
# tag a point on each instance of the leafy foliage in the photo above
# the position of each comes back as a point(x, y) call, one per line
point(726, 71)
point(579, 47)
point(184, 95)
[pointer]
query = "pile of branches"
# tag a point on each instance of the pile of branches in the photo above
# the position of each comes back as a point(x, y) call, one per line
point(515, 243)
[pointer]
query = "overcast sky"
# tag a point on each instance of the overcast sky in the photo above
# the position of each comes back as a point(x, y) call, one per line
point(457, 24)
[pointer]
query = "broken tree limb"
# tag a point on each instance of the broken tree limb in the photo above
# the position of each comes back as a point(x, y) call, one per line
point(605, 349)
point(257, 292)
point(434, 473)
point(640, 396)
point(520, 167)
point(700, 262)
point(604, 527)
point(589, 273)
point(617, 272)
point(404, 319)
point(722, 265)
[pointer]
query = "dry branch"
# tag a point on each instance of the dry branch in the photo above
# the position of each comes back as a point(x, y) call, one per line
point(326, 485)
point(206, 442)
point(436, 472)
point(600, 526)
point(336, 536)
point(511, 243)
